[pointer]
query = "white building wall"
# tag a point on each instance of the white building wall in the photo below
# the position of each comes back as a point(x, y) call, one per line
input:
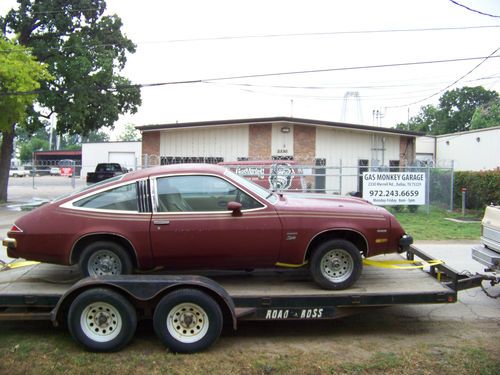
point(348, 147)
point(471, 151)
point(226, 142)
point(425, 148)
point(127, 153)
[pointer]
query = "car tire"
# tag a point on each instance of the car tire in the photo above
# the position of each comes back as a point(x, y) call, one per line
point(105, 258)
point(102, 320)
point(336, 264)
point(187, 321)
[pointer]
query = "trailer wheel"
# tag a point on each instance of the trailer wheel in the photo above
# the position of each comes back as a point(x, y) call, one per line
point(187, 321)
point(336, 264)
point(105, 258)
point(102, 320)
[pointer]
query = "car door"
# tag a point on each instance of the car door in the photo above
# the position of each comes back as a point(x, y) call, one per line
point(192, 227)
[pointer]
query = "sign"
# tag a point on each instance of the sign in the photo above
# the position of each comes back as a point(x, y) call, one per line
point(394, 188)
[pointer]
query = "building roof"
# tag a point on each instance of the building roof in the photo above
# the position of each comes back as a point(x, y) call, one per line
point(59, 153)
point(266, 120)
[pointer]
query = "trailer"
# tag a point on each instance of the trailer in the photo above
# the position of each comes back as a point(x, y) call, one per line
point(188, 312)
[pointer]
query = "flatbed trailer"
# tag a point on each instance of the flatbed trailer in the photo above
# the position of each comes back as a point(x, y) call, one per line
point(188, 311)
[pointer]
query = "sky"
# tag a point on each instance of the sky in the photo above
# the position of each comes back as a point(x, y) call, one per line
point(211, 40)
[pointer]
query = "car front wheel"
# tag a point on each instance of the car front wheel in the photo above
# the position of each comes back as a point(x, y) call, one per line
point(104, 258)
point(336, 264)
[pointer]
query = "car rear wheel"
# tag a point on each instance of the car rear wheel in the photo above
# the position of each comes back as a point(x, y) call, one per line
point(102, 320)
point(187, 320)
point(336, 264)
point(105, 258)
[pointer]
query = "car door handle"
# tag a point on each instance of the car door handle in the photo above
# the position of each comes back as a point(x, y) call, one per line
point(161, 222)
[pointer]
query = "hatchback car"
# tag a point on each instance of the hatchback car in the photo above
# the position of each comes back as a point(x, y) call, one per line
point(204, 217)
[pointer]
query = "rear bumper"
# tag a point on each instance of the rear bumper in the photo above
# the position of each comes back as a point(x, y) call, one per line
point(404, 242)
point(487, 257)
point(9, 243)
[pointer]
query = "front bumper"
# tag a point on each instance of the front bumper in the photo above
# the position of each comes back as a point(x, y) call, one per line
point(9, 243)
point(404, 242)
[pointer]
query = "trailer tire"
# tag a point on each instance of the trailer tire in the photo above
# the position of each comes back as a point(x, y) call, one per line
point(187, 321)
point(102, 320)
point(105, 258)
point(336, 264)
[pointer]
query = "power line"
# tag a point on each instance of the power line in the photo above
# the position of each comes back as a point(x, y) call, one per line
point(474, 10)
point(452, 84)
point(262, 75)
point(376, 31)
point(257, 36)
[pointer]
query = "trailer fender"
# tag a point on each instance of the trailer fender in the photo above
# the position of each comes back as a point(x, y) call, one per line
point(144, 288)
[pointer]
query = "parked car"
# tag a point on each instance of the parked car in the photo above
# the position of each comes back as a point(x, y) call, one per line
point(204, 217)
point(103, 171)
point(55, 171)
point(16, 172)
point(488, 253)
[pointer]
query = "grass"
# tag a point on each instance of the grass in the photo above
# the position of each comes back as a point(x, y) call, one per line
point(29, 353)
point(434, 226)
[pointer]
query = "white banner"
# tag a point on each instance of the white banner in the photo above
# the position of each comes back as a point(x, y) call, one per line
point(394, 188)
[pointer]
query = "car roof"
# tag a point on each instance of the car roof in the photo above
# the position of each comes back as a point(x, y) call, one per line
point(174, 169)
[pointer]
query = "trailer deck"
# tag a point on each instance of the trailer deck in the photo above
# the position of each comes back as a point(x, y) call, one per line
point(38, 288)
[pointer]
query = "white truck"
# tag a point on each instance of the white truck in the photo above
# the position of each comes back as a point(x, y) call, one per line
point(18, 172)
point(488, 253)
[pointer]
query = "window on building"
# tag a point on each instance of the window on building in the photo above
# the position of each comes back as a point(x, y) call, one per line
point(362, 167)
point(166, 160)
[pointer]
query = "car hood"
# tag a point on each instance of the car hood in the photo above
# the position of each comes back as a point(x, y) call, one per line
point(326, 203)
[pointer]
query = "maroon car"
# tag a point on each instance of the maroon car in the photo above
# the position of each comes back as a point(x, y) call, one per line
point(204, 217)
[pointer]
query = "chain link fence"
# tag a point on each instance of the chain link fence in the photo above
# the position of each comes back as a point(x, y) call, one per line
point(311, 175)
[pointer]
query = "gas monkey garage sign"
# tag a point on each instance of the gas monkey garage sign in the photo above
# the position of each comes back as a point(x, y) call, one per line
point(394, 188)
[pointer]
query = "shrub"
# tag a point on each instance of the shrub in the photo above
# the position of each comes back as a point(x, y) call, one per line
point(483, 188)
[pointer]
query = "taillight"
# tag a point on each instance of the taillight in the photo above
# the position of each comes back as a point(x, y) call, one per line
point(15, 229)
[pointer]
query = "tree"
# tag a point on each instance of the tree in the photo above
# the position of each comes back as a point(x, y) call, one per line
point(487, 115)
point(458, 106)
point(454, 112)
point(130, 134)
point(84, 51)
point(34, 144)
point(19, 72)
point(96, 136)
point(426, 121)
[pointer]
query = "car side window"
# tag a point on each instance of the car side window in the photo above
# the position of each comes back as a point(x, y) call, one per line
point(199, 194)
point(123, 198)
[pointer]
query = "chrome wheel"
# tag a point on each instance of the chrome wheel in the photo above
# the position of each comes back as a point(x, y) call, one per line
point(337, 265)
point(187, 323)
point(101, 322)
point(104, 262)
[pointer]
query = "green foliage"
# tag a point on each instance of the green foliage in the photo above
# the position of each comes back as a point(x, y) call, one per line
point(483, 188)
point(34, 144)
point(455, 112)
point(96, 136)
point(130, 134)
point(424, 122)
point(83, 49)
point(19, 72)
point(458, 107)
point(487, 115)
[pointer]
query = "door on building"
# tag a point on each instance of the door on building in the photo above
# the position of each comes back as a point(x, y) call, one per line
point(125, 159)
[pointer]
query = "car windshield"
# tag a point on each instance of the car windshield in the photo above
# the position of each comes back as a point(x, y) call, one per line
point(254, 188)
point(104, 182)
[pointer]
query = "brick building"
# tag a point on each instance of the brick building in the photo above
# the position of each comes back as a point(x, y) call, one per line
point(308, 142)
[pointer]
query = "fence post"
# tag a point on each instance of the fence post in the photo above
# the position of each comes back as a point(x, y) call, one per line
point(340, 177)
point(452, 184)
point(73, 168)
point(427, 189)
